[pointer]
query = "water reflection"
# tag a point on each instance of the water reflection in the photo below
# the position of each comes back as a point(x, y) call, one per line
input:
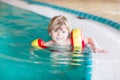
point(62, 55)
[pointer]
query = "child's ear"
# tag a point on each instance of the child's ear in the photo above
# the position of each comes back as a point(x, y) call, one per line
point(69, 35)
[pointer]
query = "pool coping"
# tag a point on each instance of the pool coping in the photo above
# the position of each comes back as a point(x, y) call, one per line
point(106, 21)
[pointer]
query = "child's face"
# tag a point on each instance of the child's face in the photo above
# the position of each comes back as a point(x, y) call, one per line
point(60, 35)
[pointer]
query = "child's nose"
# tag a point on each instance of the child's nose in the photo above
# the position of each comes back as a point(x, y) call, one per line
point(59, 33)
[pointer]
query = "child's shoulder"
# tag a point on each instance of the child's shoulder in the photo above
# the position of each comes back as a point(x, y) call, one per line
point(50, 42)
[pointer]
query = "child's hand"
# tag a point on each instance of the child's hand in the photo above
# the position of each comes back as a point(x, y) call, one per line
point(98, 50)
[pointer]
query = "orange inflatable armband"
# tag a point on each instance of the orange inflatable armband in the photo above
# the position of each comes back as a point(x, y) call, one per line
point(77, 40)
point(39, 44)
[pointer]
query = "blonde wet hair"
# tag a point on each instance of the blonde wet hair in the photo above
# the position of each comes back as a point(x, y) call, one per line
point(56, 23)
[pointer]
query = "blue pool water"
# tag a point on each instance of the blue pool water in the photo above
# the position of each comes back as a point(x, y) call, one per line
point(19, 61)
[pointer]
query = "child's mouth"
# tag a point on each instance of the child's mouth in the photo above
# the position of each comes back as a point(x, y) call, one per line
point(59, 38)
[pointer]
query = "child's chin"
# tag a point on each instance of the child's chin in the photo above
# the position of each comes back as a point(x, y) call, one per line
point(59, 42)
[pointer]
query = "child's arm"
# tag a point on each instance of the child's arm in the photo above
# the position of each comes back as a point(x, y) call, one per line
point(40, 44)
point(94, 46)
point(49, 43)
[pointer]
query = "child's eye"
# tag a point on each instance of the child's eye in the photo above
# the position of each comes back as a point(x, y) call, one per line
point(55, 30)
point(63, 31)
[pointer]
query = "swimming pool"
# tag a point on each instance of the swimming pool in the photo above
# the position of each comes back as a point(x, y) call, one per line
point(105, 66)
point(18, 60)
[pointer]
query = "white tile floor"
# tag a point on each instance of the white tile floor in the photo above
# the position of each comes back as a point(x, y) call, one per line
point(105, 66)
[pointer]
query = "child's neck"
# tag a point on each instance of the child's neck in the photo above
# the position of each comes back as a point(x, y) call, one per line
point(66, 42)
